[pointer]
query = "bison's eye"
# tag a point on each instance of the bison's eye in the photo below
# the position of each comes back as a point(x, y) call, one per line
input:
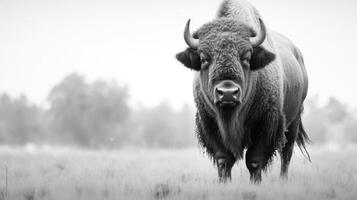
point(246, 57)
point(205, 62)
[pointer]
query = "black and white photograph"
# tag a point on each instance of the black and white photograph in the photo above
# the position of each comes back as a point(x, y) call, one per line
point(179, 100)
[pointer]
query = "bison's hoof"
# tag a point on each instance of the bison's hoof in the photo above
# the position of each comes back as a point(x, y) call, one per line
point(224, 171)
point(256, 178)
point(225, 179)
point(255, 172)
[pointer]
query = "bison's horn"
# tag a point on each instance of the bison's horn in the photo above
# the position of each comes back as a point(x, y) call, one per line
point(191, 42)
point(257, 40)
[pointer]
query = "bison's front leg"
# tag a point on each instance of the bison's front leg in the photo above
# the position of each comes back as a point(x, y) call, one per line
point(225, 162)
point(257, 157)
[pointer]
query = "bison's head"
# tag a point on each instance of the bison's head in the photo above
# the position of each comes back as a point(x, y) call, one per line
point(226, 52)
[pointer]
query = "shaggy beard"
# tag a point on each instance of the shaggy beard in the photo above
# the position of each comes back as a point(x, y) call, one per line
point(231, 129)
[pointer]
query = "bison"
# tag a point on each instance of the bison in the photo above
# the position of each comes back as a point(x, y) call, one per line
point(249, 89)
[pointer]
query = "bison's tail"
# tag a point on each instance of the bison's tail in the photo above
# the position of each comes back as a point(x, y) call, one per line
point(302, 139)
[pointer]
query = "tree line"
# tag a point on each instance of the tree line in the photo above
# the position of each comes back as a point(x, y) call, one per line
point(93, 115)
point(97, 115)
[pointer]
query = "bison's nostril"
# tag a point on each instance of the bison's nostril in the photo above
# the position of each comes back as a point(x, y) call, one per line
point(235, 92)
point(220, 91)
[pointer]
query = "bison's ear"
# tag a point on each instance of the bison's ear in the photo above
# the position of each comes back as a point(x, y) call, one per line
point(261, 58)
point(190, 58)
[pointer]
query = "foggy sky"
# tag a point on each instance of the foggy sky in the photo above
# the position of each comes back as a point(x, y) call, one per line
point(134, 42)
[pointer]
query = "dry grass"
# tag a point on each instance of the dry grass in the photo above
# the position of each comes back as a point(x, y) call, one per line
point(167, 174)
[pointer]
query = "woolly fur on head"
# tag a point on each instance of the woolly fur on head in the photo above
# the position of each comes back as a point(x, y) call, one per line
point(222, 25)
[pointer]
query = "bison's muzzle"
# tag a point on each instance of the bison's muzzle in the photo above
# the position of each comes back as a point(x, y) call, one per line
point(227, 94)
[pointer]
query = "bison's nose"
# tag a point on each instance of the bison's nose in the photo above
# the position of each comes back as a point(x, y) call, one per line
point(227, 94)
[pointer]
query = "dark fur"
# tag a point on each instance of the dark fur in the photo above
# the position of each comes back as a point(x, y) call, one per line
point(260, 58)
point(268, 120)
point(189, 58)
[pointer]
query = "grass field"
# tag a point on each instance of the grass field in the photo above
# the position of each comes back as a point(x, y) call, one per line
point(61, 174)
